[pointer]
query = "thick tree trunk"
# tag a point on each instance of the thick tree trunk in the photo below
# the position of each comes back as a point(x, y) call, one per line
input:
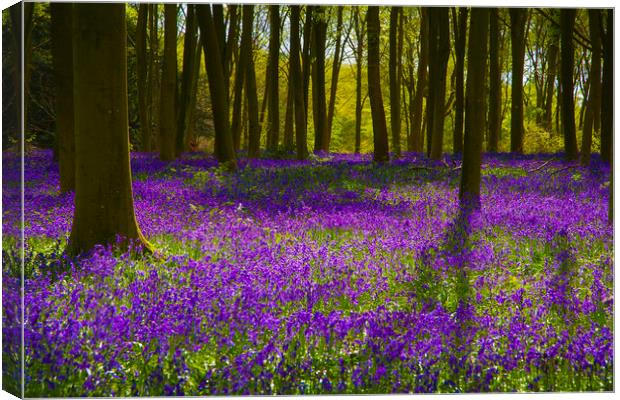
point(167, 105)
point(152, 80)
point(567, 24)
point(417, 133)
point(319, 106)
point(495, 82)
point(338, 53)
point(273, 125)
point(231, 45)
point(298, 89)
point(607, 107)
point(141, 61)
point(518, 17)
point(238, 98)
point(395, 123)
point(187, 88)
point(224, 151)
point(103, 194)
point(469, 193)
point(439, 51)
point(306, 55)
point(379, 127)
point(62, 58)
point(460, 33)
point(594, 100)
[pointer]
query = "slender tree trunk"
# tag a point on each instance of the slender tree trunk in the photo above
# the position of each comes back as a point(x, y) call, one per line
point(250, 82)
point(238, 97)
point(298, 89)
point(359, 52)
point(141, 61)
point(152, 81)
point(417, 133)
point(224, 151)
point(460, 33)
point(567, 24)
point(379, 127)
point(495, 82)
point(594, 101)
point(189, 124)
point(607, 106)
point(306, 55)
point(338, 53)
point(167, 107)
point(319, 108)
point(103, 206)
point(187, 89)
point(518, 17)
point(395, 123)
point(552, 61)
point(439, 22)
point(231, 45)
point(62, 58)
point(469, 193)
point(273, 126)
point(289, 117)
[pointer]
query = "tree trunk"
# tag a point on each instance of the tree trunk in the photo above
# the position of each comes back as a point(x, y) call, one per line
point(417, 133)
point(395, 124)
point(607, 107)
point(460, 33)
point(238, 97)
point(152, 80)
point(141, 61)
point(231, 45)
point(62, 58)
point(250, 82)
point(338, 53)
point(552, 61)
point(359, 52)
point(298, 89)
point(567, 24)
point(167, 106)
point(518, 17)
point(379, 127)
point(187, 88)
point(469, 193)
point(495, 82)
point(191, 109)
point(273, 125)
point(103, 193)
point(594, 100)
point(305, 55)
point(289, 117)
point(319, 107)
point(439, 51)
point(224, 151)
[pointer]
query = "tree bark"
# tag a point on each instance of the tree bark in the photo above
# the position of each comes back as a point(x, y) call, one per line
point(518, 17)
point(607, 107)
point(395, 123)
point(439, 51)
point(167, 106)
point(250, 82)
point(103, 193)
point(495, 82)
point(417, 133)
point(187, 77)
point(273, 125)
point(567, 24)
point(319, 107)
point(379, 127)
point(298, 89)
point(238, 97)
point(141, 61)
point(306, 55)
point(62, 58)
point(359, 52)
point(338, 53)
point(469, 193)
point(224, 151)
point(594, 100)
point(552, 61)
point(460, 33)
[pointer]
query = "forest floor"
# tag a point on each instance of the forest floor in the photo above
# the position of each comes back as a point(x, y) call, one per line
point(333, 275)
